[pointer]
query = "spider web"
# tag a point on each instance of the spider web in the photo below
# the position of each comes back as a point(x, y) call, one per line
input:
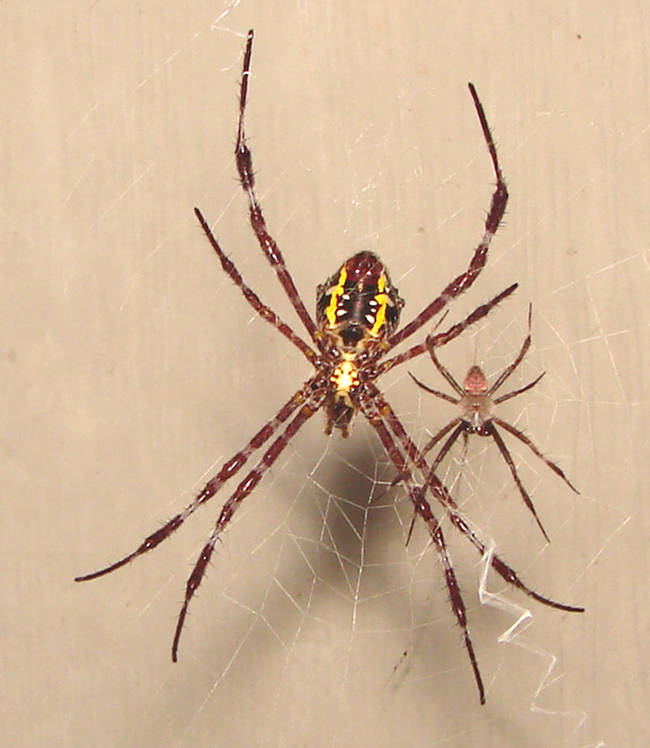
point(324, 584)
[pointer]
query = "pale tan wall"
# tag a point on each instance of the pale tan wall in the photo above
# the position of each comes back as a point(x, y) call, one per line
point(132, 367)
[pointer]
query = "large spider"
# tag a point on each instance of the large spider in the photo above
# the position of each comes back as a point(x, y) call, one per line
point(355, 328)
point(476, 415)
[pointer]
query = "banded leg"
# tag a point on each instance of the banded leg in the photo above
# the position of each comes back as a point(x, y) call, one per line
point(437, 393)
point(460, 429)
point(432, 443)
point(514, 393)
point(439, 457)
point(520, 356)
point(492, 431)
point(423, 508)
point(247, 178)
point(523, 438)
point(265, 312)
point(235, 500)
point(230, 468)
point(451, 508)
point(449, 334)
point(479, 258)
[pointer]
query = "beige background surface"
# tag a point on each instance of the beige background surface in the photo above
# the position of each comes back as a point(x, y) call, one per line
point(131, 368)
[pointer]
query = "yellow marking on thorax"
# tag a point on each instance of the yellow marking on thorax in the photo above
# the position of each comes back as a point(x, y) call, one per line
point(344, 377)
point(330, 312)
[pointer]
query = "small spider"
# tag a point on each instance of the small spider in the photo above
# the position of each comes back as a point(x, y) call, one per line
point(355, 327)
point(476, 404)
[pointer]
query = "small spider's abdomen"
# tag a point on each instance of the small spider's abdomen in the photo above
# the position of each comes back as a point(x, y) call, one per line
point(358, 305)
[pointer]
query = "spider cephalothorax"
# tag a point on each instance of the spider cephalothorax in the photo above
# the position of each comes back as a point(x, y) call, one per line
point(357, 309)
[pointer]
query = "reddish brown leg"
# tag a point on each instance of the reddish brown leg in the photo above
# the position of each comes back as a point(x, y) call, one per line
point(229, 508)
point(446, 446)
point(477, 263)
point(523, 438)
point(452, 509)
point(524, 349)
point(230, 468)
point(445, 373)
point(491, 429)
point(265, 312)
point(445, 337)
point(440, 456)
point(432, 442)
point(424, 510)
point(247, 179)
point(514, 393)
point(437, 393)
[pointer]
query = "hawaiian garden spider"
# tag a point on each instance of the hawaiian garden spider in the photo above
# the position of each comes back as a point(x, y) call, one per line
point(357, 316)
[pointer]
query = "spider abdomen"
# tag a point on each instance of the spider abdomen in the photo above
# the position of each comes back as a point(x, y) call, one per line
point(358, 306)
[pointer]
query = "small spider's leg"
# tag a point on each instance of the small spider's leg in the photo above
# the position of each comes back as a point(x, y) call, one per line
point(460, 429)
point(479, 258)
point(444, 497)
point(445, 337)
point(423, 508)
point(437, 393)
point(444, 371)
point(227, 471)
point(514, 393)
point(253, 299)
point(432, 443)
point(247, 179)
point(234, 501)
point(492, 430)
point(524, 349)
point(523, 438)
point(442, 338)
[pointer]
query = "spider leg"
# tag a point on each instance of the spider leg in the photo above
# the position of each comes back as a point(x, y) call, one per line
point(424, 510)
point(507, 573)
point(460, 429)
point(227, 471)
point(445, 372)
point(524, 349)
point(462, 282)
point(253, 299)
point(247, 178)
point(449, 334)
point(437, 393)
point(432, 443)
point(444, 497)
point(441, 454)
point(492, 430)
point(523, 438)
point(234, 501)
point(529, 386)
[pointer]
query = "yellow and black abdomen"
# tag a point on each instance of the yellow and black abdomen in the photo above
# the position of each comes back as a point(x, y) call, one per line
point(358, 304)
